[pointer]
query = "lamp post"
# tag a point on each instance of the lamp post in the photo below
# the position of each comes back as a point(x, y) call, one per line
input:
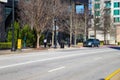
point(13, 38)
point(55, 34)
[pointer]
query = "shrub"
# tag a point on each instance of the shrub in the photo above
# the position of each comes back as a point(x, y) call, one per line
point(101, 42)
point(16, 33)
point(25, 33)
point(5, 45)
point(118, 43)
point(80, 44)
point(28, 36)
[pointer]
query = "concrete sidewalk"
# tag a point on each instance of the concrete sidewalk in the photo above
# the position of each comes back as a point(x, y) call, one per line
point(27, 50)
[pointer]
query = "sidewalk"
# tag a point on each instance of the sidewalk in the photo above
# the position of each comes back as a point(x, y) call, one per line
point(27, 50)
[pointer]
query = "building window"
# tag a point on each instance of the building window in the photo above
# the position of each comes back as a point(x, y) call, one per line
point(7, 11)
point(117, 19)
point(116, 12)
point(80, 9)
point(97, 6)
point(97, 0)
point(116, 4)
point(107, 4)
point(97, 13)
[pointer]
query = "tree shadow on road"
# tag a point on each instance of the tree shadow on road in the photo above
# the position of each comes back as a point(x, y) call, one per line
point(118, 48)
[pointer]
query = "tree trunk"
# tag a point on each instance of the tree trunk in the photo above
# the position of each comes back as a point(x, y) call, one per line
point(105, 37)
point(53, 33)
point(38, 40)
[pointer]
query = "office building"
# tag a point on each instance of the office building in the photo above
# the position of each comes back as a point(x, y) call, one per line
point(101, 9)
point(5, 18)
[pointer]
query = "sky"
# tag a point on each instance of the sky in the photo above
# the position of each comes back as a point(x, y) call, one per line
point(79, 8)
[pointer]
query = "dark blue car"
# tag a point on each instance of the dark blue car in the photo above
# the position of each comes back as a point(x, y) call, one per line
point(91, 43)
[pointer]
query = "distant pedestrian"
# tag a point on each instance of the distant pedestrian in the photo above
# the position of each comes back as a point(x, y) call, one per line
point(45, 42)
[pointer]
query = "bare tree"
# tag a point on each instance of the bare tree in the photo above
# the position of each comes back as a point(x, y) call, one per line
point(78, 25)
point(40, 13)
point(107, 24)
point(59, 8)
point(36, 13)
point(96, 25)
point(103, 22)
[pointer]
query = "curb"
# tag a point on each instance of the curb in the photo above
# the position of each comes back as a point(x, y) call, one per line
point(115, 74)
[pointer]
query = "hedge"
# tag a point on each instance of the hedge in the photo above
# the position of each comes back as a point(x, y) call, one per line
point(101, 42)
point(5, 45)
point(118, 43)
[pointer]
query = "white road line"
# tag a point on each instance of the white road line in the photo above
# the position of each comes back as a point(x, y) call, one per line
point(98, 58)
point(41, 60)
point(56, 69)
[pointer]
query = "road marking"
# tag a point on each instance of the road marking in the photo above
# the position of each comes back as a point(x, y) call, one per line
point(56, 69)
point(98, 58)
point(41, 60)
point(114, 75)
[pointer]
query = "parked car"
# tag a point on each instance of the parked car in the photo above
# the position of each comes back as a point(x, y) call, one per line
point(91, 43)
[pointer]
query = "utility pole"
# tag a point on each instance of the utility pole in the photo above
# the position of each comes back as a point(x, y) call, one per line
point(55, 34)
point(13, 38)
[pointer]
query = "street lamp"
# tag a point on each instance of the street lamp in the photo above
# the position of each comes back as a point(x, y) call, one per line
point(13, 38)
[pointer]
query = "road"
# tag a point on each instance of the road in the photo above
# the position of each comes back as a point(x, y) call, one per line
point(66, 64)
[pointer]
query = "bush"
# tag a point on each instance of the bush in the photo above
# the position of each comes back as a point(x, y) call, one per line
point(5, 45)
point(101, 42)
point(118, 43)
point(80, 44)
point(25, 33)
point(16, 33)
point(28, 36)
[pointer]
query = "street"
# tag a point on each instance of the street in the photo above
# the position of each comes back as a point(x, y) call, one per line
point(63, 64)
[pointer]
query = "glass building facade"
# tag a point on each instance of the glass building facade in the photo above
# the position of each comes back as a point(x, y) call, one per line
point(2, 22)
point(5, 18)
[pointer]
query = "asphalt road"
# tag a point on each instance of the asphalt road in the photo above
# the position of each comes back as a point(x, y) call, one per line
point(66, 64)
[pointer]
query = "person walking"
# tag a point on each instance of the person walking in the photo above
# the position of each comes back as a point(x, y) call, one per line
point(45, 42)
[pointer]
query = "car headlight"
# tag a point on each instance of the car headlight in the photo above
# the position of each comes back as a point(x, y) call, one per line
point(89, 43)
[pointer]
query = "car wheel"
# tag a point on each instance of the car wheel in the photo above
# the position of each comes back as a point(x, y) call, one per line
point(98, 45)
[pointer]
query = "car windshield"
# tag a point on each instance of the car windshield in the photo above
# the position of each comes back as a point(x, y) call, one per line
point(90, 40)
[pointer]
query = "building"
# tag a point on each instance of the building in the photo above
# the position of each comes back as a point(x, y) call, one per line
point(5, 18)
point(2, 23)
point(106, 12)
